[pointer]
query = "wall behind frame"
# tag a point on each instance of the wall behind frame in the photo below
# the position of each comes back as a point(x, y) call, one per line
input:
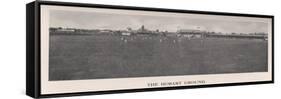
point(12, 51)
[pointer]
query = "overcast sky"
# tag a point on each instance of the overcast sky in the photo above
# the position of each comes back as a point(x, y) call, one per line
point(95, 20)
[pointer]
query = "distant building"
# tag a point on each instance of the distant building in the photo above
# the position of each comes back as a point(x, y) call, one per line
point(190, 33)
point(66, 30)
point(143, 31)
point(126, 33)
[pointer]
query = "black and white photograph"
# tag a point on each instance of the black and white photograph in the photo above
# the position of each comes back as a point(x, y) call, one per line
point(98, 45)
point(80, 49)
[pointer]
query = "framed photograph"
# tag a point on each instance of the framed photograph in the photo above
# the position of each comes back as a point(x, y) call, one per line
point(85, 49)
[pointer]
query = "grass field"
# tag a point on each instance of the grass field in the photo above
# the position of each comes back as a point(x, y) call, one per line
point(75, 57)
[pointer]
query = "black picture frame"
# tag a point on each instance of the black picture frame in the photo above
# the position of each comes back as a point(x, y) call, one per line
point(33, 49)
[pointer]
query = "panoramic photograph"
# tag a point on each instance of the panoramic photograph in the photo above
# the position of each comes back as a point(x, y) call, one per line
point(96, 45)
